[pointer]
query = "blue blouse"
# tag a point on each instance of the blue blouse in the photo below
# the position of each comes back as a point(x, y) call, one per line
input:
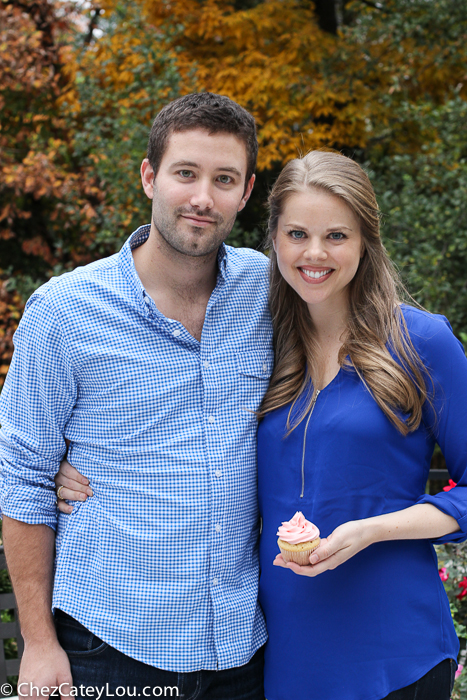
point(381, 620)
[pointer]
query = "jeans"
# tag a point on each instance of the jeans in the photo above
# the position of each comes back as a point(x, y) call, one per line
point(435, 685)
point(96, 665)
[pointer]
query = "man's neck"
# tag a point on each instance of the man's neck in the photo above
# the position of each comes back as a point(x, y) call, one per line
point(179, 284)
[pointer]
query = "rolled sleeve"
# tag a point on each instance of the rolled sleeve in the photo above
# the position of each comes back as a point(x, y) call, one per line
point(35, 405)
point(447, 364)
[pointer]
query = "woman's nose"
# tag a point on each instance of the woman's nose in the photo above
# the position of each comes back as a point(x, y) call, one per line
point(315, 249)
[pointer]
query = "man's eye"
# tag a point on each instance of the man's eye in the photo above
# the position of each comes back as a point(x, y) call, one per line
point(225, 179)
point(336, 236)
point(185, 173)
point(297, 235)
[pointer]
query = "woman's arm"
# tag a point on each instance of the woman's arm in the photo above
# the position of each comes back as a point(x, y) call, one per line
point(421, 521)
point(442, 517)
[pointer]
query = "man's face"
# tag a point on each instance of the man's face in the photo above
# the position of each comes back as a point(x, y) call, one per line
point(198, 190)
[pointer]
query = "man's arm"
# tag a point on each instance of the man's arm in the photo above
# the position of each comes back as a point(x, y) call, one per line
point(35, 405)
point(29, 552)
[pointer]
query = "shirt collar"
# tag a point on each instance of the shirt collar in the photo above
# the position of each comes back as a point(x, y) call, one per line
point(127, 264)
point(223, 260)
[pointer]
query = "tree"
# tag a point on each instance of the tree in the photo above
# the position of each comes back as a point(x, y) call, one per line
point(75, 118)
point(35, 178)
point(423, 197)
point(309, 88)
point(377, 80)
point(122, 81)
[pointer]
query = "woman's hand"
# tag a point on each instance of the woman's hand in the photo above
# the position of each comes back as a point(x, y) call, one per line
point(343, 543)
point(75, 486)
point(419, 522)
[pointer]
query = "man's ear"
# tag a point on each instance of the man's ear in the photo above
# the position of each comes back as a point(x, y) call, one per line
point(147, 178)
point(247, 193)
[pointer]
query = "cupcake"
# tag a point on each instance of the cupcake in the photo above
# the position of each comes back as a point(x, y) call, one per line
point(297, 539)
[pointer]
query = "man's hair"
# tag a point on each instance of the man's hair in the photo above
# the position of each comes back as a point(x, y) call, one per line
point(203, 110)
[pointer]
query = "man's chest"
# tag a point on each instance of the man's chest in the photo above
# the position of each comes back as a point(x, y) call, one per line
point(136, 371)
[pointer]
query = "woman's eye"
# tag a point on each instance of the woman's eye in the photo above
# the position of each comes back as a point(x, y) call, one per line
point(297, 235)
point(185, 173)
point(336, 236)
point(225, 179)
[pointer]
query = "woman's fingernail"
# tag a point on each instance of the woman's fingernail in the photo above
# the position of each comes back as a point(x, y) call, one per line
point(89, 492)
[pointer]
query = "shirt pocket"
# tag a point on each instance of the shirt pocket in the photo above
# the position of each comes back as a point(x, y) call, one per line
point(251, 363)
point(254, 369)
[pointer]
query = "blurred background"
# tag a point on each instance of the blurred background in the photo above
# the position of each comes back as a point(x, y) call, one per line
point(80, 83)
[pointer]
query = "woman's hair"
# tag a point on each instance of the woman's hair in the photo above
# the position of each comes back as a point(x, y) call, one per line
point(376, 340)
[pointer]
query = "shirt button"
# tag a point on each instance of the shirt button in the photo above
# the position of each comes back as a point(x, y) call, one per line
point(211, 419)
point(205, 364)
point(146, 300)
point(265, 368)
point(218, 527)
point(176, 332)
point(215, 581)
point(218, 473)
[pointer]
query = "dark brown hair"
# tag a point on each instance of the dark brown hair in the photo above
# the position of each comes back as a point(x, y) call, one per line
point(203, 110)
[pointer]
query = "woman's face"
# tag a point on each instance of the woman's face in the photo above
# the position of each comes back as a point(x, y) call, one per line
point(319, 246)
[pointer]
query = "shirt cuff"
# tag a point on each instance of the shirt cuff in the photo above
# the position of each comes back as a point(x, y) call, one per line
point(35, 505)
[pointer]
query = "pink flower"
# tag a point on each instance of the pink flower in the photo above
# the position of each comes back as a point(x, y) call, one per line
point(463, 585)
point(450, 485)
point(443, 574)
point(459, 670)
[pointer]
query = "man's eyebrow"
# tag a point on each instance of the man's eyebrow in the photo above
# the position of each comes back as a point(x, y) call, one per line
point(191, 164)
point(231, 170)
point(185, 162)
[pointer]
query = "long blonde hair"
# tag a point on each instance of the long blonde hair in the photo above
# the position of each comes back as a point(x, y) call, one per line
point(376, 326)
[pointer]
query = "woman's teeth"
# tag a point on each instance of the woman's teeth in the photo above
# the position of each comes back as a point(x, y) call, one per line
point(316, 275)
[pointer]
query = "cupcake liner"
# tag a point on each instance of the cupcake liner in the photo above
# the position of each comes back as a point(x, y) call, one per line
point(297, 553)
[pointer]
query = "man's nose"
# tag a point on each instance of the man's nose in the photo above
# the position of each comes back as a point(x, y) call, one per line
point(201, 197)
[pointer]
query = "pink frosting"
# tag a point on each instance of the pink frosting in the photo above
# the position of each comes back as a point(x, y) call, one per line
point(298, 530)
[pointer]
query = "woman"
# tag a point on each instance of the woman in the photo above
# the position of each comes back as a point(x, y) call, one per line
point(362, 388)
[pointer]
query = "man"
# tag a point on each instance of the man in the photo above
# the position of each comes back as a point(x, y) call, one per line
point(150, 364)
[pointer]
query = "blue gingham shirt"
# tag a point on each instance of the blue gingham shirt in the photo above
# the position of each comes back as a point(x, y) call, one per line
point(162, 562)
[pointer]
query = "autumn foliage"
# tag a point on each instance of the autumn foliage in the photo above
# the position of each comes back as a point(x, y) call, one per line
point(389, 87)
point(310, 89)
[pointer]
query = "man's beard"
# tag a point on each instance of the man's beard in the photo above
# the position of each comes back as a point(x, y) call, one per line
point(200, 241)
